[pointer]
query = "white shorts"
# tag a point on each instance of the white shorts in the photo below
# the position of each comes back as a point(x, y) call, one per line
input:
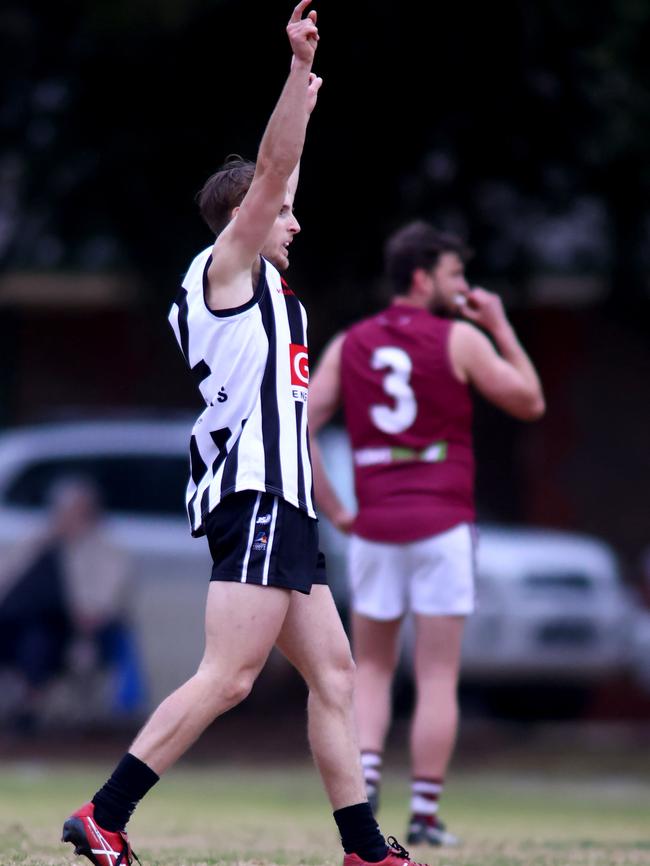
point(432, 576)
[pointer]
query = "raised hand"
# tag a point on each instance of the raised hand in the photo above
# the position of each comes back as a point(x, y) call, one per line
point(303, 34)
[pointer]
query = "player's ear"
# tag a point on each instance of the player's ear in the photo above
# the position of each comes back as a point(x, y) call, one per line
point(419, 277)
point(234, 212)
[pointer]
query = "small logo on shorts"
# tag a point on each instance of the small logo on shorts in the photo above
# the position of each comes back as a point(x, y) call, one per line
point(263, 519)
point(261, 540)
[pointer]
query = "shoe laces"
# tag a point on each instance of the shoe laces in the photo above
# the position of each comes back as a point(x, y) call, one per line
point(397, 848)
point(400, 850)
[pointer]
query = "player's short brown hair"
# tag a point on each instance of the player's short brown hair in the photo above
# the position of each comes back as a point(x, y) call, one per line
point(417, 245)
point(224, 191)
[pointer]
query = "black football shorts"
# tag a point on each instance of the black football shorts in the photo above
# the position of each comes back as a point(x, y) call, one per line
point(260, 538)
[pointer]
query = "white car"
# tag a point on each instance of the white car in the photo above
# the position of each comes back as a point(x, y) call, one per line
point(550, 602)
point(551, 605)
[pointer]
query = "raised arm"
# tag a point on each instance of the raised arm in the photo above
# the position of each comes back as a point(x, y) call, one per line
point(505, 376)
point(237, 248)
point(324, 400)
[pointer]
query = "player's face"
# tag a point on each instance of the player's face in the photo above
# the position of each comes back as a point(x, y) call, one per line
point(450, 288)
point(285, 227)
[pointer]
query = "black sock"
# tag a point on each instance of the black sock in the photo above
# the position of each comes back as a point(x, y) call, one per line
point(115, 802)
point(360, 833)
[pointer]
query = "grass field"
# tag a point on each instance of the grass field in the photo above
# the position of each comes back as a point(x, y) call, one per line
point(236, 816)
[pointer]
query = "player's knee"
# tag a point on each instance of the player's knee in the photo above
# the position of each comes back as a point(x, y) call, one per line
point(336, 683)
point(226, 689)
point(236, 687)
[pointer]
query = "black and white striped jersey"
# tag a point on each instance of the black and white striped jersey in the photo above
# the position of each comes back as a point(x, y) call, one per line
point(251, 367)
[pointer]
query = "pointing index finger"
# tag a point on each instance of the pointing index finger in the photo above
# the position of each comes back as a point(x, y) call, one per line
point(297, 12)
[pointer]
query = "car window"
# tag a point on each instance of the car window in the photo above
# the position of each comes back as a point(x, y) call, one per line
point(563, 581)
point(139, 483)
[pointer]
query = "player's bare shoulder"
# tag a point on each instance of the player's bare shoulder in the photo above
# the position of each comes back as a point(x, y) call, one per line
point(332, 351)
point(465, 341)
point(327, 374)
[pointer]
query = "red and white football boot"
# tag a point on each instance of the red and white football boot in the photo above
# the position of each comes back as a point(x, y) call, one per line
point(101, 847)
point(397, 856)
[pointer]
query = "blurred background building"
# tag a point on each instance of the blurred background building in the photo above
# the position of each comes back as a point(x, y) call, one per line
point(524, 127)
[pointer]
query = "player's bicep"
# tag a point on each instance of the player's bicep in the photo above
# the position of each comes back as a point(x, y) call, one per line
point(325, 386)
point(258, 211)
point(240, 243)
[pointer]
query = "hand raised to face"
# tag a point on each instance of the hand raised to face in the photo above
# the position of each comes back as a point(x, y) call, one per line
point(483, 308)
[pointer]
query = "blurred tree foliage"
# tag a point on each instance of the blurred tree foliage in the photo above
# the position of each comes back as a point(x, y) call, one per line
point(525, 126)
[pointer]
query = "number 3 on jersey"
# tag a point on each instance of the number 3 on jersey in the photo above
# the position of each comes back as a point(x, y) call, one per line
point(396, 384)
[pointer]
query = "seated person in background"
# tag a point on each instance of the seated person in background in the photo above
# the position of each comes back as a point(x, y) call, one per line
point(62, 599)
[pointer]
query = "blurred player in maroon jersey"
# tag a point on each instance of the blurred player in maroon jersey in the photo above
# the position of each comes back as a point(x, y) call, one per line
point(404, 379)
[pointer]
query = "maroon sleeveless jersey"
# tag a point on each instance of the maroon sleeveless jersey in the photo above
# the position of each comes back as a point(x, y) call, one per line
point(409, 420)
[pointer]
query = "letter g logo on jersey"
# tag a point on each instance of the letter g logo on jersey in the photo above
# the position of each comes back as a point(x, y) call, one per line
point(299, 357)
